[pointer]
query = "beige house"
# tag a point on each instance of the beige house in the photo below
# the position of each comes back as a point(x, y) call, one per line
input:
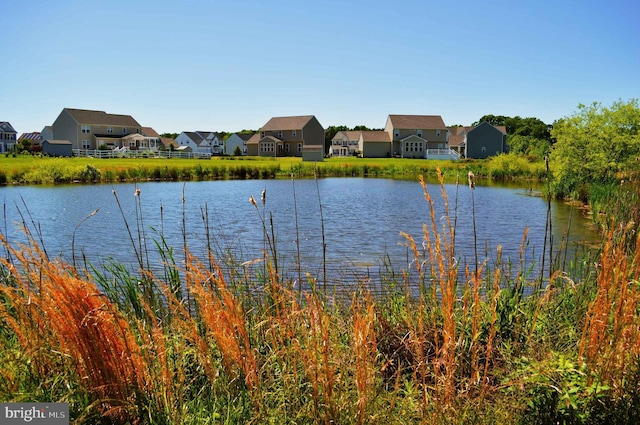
point(87, 129)
point(418, 136)
point(288, 136)
point(345, 143)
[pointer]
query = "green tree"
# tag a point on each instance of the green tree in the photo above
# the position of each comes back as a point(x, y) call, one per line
point(596, 144)
point(25, 145)
point(237, 151)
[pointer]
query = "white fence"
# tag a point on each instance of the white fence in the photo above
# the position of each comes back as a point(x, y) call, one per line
point(115, 153)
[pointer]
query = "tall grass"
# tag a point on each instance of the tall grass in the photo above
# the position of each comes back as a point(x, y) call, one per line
point(202, 343)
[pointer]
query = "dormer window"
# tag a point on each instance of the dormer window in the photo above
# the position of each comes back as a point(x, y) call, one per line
point(437, 132)
point(280, 134)
point(396, 133)
point(419, 132)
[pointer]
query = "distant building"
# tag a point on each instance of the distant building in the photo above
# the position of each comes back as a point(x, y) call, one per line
point(288, 136)
point(57, 148)
point(7, 136)
point(87, 129)
point(237, 140)
point(479, 142)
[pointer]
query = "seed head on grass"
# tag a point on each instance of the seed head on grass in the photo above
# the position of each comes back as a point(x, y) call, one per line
point(472, 180)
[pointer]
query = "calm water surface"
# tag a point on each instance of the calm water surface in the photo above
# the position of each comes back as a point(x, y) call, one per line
point(362, 219)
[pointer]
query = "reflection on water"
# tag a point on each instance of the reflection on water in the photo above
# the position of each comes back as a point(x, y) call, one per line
point(361, 219)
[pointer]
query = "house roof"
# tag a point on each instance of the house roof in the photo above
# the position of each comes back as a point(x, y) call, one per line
point(410, 122)
point(194, 136)
point(287, 123)
point(348, 134)
point(456, 139)
point(245, 136)
point(166, 141)
point(84, 116)
point(6, 127)
point(150, 132)
point(34, 137)
point(375, 136)
point(253, 140)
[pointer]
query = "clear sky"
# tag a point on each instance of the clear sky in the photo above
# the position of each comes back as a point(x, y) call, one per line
point(226, 65)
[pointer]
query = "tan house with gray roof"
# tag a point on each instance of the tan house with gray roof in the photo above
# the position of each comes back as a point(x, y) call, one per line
point(289, 136)
point(87, 129)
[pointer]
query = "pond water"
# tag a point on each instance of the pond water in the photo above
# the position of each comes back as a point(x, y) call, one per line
point(359, 218)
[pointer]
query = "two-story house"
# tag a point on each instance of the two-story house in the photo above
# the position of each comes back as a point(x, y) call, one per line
point(417, 136)
point(7, 136)
point(479, 142)
point(206, 142)
point(289, 136)
point(237, 141)
point(87, 129)
point(345, 143)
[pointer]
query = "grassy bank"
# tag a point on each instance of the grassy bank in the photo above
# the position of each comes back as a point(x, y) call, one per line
point(43, 170)
point(199, 345)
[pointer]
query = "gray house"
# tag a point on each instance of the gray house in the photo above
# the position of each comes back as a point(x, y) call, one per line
point(7, 136)
point(485, 140)
point(57, 148)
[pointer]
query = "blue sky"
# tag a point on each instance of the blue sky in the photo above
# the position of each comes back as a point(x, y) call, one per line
point(229, 65)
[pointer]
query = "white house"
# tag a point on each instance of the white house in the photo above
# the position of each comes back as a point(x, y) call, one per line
point(237, 140)
point(344, 143)
point(201, 141)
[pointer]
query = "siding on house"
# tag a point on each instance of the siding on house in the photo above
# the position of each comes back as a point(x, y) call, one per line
point(88, 129)
point(287, 136)
point(485, 140)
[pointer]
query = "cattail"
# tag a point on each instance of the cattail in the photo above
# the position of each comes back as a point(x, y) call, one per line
point(136, 192)
point(472, 182)
point(263, 198)
point(253, 201)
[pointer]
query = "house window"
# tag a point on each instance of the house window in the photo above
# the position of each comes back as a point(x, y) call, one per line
point(124, 130)
point(86, 144)
point(280, 134)
point(261, 134)
point(86, 129)
point(484, 149)
point(419, 132)
point(286, 147)
point(299, 147)
point(437, 132)
point(109, 130)
point(132, 143)
point(396, 133)
point(293, 133)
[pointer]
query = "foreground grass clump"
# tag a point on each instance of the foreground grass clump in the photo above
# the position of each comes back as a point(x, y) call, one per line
point(202, 345)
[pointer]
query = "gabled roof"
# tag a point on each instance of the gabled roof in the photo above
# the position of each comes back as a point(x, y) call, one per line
point(245, 136)
point(194, 136)
point(253, 140)
point(287, 123)
point(501, 128)
point(349, 134)
point(375, 136)
point(6, 127)
point(411, 122)
point(84, 116)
